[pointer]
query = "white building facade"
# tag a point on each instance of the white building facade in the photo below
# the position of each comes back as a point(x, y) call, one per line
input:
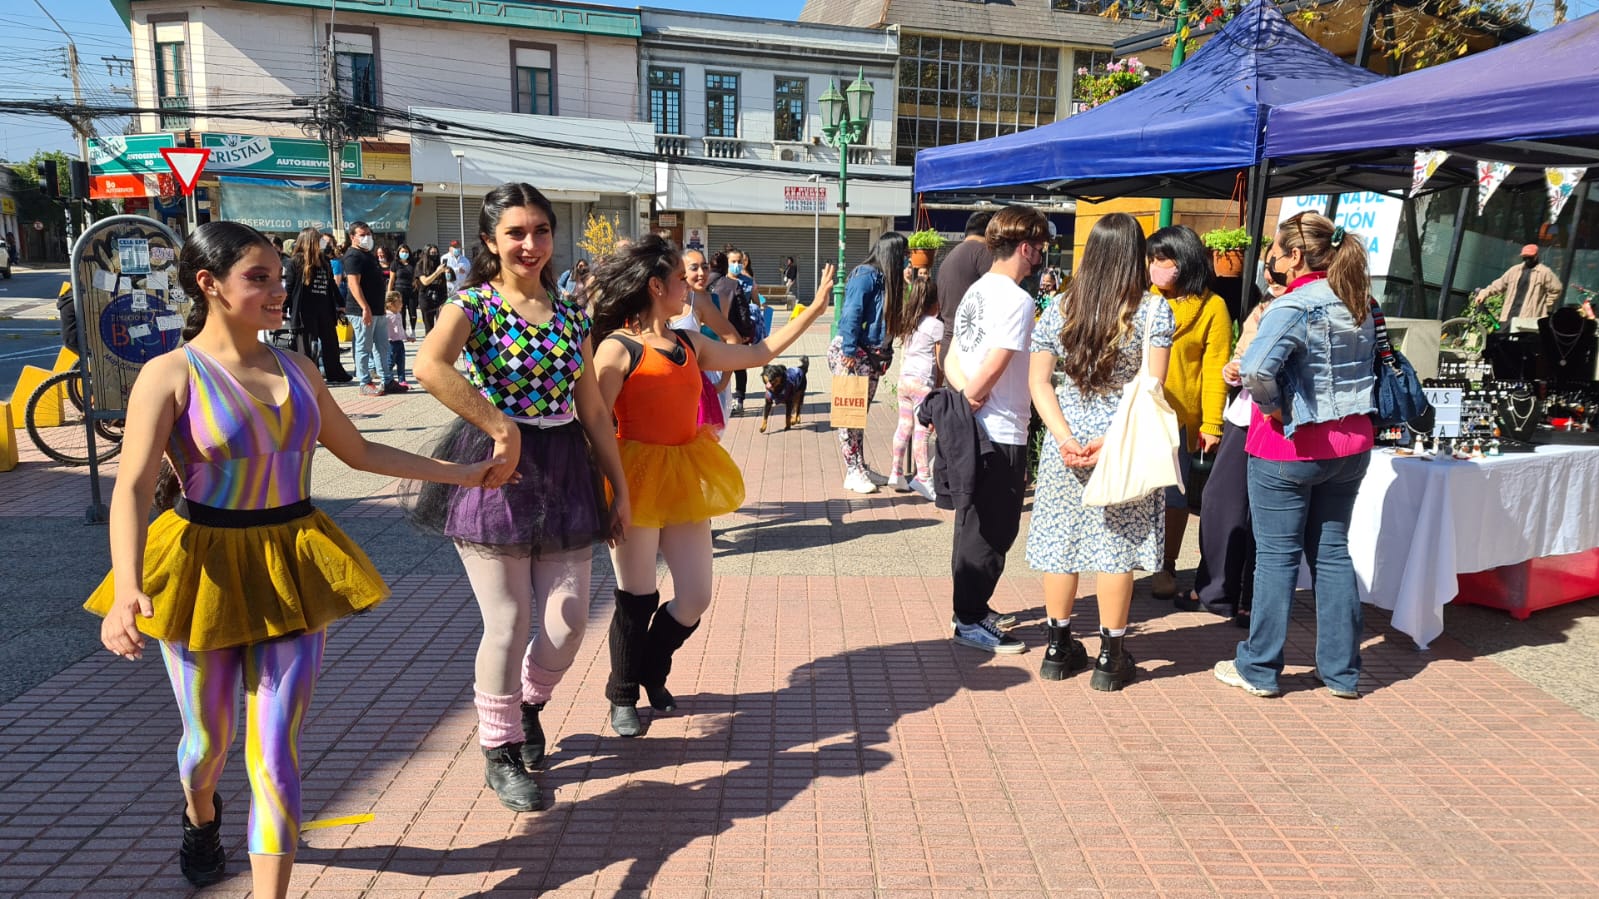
point(738, 132)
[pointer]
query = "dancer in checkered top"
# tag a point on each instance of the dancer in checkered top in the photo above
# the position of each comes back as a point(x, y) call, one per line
point(530, 402)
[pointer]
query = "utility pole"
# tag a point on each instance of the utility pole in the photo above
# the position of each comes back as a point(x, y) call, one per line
point(76, 119)
point(335, 122)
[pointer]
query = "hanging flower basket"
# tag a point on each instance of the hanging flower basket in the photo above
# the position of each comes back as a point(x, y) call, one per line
point(1228, 263)
point(924, 246)
point(923, 258)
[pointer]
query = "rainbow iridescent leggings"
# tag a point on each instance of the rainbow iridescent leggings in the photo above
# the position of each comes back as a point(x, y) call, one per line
point(279, 677)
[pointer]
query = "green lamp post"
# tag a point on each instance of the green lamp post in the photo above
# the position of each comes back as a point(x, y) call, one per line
point(845, 120)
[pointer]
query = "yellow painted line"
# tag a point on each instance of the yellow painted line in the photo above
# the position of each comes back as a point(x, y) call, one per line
point(337, 822)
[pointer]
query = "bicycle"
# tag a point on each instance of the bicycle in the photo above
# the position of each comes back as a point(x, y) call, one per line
point(68, 442)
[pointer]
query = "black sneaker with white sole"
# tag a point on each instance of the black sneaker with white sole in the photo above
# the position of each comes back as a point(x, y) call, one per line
point(988, 636)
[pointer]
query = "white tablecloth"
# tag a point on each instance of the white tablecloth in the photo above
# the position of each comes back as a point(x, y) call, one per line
point(1418, 523)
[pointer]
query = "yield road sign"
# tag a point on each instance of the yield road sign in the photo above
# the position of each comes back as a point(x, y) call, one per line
point(187, 163)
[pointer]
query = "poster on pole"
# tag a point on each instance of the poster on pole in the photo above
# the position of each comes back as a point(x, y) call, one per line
point(129, 305)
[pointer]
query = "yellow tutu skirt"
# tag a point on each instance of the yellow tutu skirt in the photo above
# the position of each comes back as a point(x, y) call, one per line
point(214, 588)
point(695, 481)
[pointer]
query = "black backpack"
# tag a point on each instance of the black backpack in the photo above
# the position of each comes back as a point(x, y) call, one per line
point(736, 305)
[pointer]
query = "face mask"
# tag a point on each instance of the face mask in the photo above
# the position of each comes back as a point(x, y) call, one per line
point(1278, 278)
point(404, 256)
point(734, 268)
point(1530, 261)
point(365, 243)
point(1163, 276)
point(455, 251)
point(326, 242)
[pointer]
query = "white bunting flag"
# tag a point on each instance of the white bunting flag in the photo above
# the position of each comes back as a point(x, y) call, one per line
point(1489, 176)
point(1427, 162)
point(1561, 183)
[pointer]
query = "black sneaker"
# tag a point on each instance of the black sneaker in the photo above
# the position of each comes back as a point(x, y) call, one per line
point(201, 858)
point(987, 636)
point(393, 386)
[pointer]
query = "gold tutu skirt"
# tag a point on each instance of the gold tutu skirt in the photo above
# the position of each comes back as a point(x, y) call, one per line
point(214, 587)
point(695, 481)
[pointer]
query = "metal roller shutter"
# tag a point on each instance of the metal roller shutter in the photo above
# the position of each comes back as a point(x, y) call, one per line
point(449, 219)
point(769, 246)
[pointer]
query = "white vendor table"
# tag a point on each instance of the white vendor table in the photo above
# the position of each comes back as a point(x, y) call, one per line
point(1418, 523)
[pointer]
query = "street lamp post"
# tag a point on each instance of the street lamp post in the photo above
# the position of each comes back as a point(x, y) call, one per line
point(845, 118)
point(460, 196)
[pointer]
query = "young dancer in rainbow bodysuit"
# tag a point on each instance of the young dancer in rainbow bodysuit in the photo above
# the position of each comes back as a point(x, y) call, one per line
point(240, 579)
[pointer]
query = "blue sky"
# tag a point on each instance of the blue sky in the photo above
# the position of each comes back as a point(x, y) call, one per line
point(31, 64)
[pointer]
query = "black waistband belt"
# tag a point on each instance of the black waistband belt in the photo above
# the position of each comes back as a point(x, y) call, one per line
point(212, 517)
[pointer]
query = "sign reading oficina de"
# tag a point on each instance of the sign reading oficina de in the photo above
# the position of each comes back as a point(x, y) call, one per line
point(253, 154)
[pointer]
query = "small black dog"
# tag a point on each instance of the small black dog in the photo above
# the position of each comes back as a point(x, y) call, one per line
point(787, 386)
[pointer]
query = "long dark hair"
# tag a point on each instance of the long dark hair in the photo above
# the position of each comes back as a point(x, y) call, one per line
point(214, 247)
point(1105, 293)
point(921, 298)
point(1341, 254)
point(308, 253)
point(513, 195)
point(888, 257)
point(1179, 244)
point(620, 288)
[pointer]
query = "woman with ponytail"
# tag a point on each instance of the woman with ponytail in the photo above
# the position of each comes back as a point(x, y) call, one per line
point(1310, 373)
point(528, 401)
point(240, 580)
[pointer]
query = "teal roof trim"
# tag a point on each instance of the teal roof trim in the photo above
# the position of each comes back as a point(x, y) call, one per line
point(506, 13)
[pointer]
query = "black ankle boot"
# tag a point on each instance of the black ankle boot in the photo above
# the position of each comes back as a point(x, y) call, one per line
point(666, 636)
point(1114, 668)
point(629, 641)
point(502, 769)
point(201, 858)
point(533, 736)
point(1065, 654)
point(625, 720)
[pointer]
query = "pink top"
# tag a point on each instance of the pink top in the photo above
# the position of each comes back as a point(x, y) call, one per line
point(1347, 436)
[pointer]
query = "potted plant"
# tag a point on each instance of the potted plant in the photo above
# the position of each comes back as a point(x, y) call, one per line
point(1227, 247)
point(924, 245)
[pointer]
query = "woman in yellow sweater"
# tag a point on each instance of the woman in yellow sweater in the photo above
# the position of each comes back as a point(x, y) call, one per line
point(1180, 269)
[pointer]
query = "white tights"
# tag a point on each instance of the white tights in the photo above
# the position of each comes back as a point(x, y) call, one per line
point(509, 592)
point(687, 550)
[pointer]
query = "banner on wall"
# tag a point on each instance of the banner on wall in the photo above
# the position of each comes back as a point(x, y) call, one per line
point(282, 204)
point(1373, 216)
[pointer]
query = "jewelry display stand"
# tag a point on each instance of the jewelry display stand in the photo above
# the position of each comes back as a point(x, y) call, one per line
point(1568, 345)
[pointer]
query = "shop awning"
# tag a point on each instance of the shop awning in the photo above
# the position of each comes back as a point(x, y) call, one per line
point(1184, 134)
point(283, 204)
point(556, 154)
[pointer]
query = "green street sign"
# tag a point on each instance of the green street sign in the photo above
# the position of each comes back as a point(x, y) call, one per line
point(240, 154)
point(131, 154)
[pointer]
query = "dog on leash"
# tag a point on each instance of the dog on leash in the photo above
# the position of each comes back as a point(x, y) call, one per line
point(785, 385)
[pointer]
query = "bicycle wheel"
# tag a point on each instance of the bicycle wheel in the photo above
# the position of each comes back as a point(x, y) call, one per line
point(69, 442)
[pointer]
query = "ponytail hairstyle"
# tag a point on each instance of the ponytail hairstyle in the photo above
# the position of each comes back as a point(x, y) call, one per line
point(308, 253)
point(512, 195)
point(1098, 308)
point(214, 247)
point(921, 299)
point(620, 283)
point(1331, 249)
point(888, 257)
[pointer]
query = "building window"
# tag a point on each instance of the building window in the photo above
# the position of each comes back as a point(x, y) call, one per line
point(355, 72)
point(534, 76)
point(953, 90)
point(666, 100)
point(171, 74)
point(721, 104)
point(1094, 62)
point(789, 102)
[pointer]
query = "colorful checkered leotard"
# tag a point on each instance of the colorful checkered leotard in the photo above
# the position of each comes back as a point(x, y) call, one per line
point(525, 370)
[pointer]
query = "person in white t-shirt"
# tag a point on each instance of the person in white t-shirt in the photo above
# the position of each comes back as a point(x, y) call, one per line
point(459, 265)
point(988, 364)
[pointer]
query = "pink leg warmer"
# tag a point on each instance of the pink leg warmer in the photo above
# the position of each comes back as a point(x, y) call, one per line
point(499, 718)
point(538, 683)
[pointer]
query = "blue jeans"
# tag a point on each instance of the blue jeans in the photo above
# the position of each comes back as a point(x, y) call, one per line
point(1304, 507)
point(371, 349)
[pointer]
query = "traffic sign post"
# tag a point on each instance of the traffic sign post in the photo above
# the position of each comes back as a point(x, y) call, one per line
point(187, 163)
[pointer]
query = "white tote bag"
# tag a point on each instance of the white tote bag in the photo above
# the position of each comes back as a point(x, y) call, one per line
point(1141, 445)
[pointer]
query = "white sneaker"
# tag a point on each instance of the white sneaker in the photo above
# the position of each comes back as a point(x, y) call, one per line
point(875, 478)
point(923, 489)
point(859, 483)
point(896, 481)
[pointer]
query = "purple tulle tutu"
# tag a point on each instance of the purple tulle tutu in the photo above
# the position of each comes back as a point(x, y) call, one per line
point(559, 504)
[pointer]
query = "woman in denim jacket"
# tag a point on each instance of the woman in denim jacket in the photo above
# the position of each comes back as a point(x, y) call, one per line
point(1310, 373)
point(867, 320)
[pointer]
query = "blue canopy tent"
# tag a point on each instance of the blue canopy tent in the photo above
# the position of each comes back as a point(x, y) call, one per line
point(1185, 134)
point(1533, 103)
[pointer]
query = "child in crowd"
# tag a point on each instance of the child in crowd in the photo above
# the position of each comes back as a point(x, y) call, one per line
point(921, 333)
point(394, 312)
point(240, 578)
